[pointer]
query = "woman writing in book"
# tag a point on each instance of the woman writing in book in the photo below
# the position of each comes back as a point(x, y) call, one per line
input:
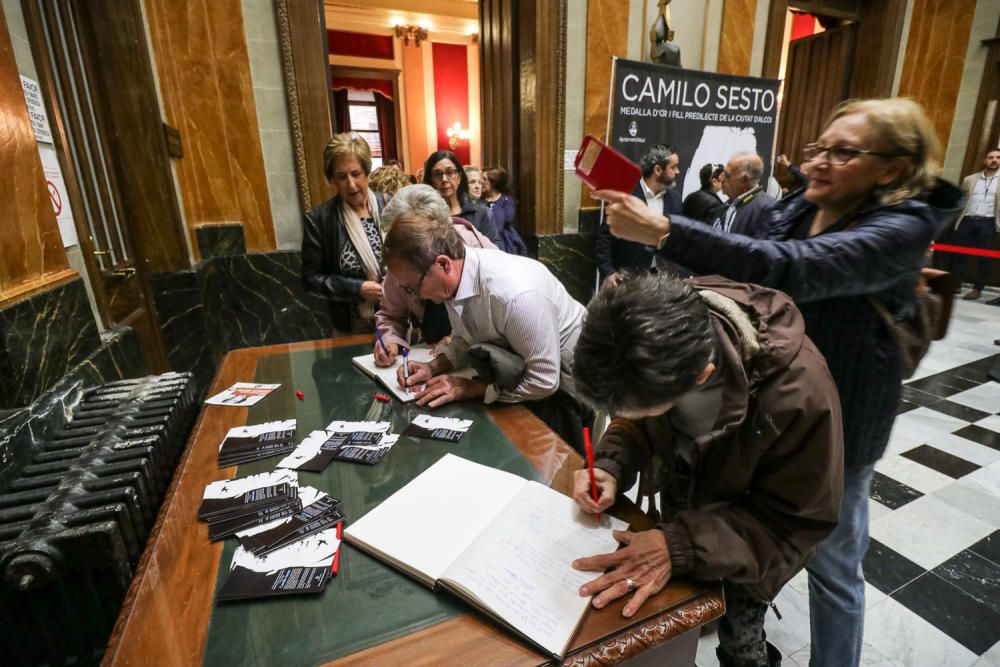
point(399, 308)
point(342, 240)
point(857, 234)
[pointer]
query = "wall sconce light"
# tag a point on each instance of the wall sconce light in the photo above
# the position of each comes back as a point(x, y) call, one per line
point(457, 136)
point(407, 32)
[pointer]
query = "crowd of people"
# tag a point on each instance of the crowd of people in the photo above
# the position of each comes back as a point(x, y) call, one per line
point(734, 344)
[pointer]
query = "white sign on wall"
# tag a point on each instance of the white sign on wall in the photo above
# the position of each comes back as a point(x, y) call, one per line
point(50, 161)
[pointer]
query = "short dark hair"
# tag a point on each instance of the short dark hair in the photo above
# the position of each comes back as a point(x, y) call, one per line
point(644, 342)
point(709, 171)
point(656, 155)
point(497, 177)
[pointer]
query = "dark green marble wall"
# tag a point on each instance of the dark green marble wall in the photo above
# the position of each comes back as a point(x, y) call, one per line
point(44, 337)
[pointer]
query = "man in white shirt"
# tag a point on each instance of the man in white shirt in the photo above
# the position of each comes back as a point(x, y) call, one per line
point(979, 221)
point(749, 205)
point(513, 303)
point(657, 188)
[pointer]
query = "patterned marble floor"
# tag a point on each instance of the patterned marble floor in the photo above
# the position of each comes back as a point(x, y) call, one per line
point(933, 568)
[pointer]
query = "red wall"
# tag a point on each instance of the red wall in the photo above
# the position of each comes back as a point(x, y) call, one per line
point(451, 93)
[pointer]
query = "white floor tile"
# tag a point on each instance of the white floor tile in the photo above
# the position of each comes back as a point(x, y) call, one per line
point(991, 658)
point(986, 479)
point(992, 423)
point(900, 635)
point(968, 497)
point(924, 424)
point(913, 474)
point(966, 449)
point(929, 531)
point(876, 510)
point(899, 443)
point(706, 651)
point(790, 633)
point(985, 397)
point(873, 596)
point(870, 657)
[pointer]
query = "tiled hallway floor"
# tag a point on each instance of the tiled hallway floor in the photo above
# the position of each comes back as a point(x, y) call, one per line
point(933, 568)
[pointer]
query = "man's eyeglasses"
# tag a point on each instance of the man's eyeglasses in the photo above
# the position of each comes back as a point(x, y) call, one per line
point(415, 291)
point(838, 156)
point(439, 174)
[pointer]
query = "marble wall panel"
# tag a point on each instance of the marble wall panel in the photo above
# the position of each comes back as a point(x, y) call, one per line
point(736, 43)
point(259, 300)
point(607, 36)
point(44, 336)
point(570, 257)
point(204, 71)
point(31, 250)
point(221, 240)
point(935, 55)
point(190, 344)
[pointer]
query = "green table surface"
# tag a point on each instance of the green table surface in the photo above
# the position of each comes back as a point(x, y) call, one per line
point(368, 602)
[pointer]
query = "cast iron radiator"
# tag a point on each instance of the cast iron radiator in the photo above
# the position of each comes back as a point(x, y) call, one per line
point(74, 522)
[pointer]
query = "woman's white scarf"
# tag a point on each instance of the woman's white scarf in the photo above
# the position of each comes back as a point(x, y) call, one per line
point(359, 239)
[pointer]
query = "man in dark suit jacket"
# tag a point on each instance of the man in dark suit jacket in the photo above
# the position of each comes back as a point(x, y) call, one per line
point(748, 209)
point(656, 188)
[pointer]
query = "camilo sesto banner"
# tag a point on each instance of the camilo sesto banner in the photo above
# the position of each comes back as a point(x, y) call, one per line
point(706, 117)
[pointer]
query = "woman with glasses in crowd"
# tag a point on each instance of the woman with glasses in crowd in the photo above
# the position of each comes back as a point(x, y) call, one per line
point(444, 173)
point(341, 239)
point(858, 233)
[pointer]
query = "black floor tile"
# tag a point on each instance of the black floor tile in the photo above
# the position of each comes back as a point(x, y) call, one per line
point(958, 411)
point(891, 493)
point(977, 375)
point(887, 570)
point(905, 406)
point(942, 384)
point(943, 462)
point(975, 575)
point(951, 610)
point(983, 436)
point(988, 547)
point(921, 398)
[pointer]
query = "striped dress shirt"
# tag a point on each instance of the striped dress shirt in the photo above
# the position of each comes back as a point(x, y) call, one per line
point(516, 303)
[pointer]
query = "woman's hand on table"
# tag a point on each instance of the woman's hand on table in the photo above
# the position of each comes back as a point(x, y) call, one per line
point(645, 560)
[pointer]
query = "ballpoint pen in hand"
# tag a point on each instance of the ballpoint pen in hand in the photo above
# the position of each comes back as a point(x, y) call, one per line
point(406, 368)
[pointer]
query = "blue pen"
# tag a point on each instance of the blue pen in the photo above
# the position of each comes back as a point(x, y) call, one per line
point(378, 334)
point(406, 368)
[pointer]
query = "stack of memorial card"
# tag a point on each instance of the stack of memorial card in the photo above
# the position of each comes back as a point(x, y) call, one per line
point(233, 505)
point(449, 429)
point(356, 442)
point(300, 568)
point(323, 514)
point(250, 443)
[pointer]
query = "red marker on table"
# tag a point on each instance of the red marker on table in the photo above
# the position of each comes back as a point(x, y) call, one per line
point(336, 556)
point(590, 462)
point(381, 397)
point(301, 396)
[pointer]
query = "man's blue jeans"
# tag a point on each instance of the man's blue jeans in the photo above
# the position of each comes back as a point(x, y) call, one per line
point(836, 582)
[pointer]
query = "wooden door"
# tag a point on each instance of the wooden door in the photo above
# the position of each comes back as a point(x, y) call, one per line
point(818, 78)
point(89, 111)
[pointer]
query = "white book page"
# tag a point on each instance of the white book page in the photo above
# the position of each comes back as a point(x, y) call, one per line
point(387, 376)
point(521, 565)
point(426, 524)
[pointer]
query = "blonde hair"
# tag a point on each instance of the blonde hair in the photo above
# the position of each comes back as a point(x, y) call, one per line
point(342, 145)
point(388, 180)
point(900, 125)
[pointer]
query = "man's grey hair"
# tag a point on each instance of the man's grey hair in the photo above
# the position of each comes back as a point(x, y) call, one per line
point(657, 155)
point(416, 200)
point(749, 164)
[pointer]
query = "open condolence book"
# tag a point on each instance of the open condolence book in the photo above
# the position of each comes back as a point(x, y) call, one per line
point(387, 376)
point(498, 541)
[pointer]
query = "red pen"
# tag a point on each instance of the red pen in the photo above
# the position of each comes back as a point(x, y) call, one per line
point(590, 462)
point(336, 556)
point(301, 396)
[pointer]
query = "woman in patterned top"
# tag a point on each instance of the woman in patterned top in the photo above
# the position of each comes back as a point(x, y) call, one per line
point(342, 241)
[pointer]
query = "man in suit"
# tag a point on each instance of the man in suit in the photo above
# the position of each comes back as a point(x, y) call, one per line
point(656, 188)
point(748, 207)
point(979, 221)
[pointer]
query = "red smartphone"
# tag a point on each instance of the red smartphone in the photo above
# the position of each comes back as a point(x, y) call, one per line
point(603, 168)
